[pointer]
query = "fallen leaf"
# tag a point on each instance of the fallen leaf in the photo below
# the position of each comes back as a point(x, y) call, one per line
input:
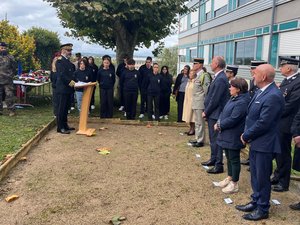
point(11, 198)
point(148, 126)
point(160, 133)
point(103, 149)
point(104, 152)
point(103, 128)
point(122, 218)
point(23, 158)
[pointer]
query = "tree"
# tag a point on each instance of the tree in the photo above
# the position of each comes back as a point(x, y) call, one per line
point(46, 42)
point(21, 46)
point(169, 57)
point(120, 24)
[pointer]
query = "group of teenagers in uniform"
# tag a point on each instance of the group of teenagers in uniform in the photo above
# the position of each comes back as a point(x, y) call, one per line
point(264, 116)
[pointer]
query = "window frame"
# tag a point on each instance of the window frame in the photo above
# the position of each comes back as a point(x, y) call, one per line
point(235, 51)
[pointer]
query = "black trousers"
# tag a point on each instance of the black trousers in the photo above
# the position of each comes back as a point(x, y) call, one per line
point(122, 98)
point(180, 101)
point(164, 104)
point(284, 160)
point(54, 101)
point(106, 103)
point(155, 100)
point(72, 101)
point(143, 108)
point(93, 97)
point(130, 104)
point(63, 101)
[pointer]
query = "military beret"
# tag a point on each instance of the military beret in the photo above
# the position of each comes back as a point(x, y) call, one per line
point(232, 68)
point(3, 44)
point(78, 54)
point(67, 46)
point(198, 60)
point(288, 60)
point(256, 63)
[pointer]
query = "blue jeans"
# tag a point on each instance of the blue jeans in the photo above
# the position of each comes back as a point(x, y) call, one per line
point(79, 95)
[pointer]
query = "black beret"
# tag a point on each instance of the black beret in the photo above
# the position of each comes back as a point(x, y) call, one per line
point(198, 60)
point(67, 46)
point(256, 63)
point(288, 60)
point(232, 68)
point(3, 44)
point(78, 54)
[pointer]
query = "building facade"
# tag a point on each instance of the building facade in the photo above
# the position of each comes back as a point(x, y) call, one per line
point(240, 30)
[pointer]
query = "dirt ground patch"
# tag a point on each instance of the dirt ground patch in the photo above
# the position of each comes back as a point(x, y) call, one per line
point(151, 177)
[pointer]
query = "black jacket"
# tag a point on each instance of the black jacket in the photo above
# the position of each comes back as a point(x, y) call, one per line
point(83, 76)
point(291, 92)
point(129, 79)
point(144, 72)
point(65, 74)
point(106, 78)
point(94, 71)
point(154, 84)
point(166, 83)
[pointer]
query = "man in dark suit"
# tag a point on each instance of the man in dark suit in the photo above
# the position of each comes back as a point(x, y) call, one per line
point(290, 88)
point(262, 133)
point(295, 129)
point(215, 100)
point(64, 87)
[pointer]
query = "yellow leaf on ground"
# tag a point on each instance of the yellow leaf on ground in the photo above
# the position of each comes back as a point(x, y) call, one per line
point(11, 198)
point(103, 149)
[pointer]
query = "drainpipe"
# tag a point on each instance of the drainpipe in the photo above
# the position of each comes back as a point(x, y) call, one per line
point(198, 34)
point(271, 30)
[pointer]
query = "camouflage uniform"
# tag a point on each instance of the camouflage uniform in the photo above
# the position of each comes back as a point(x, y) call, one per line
point(7, 72)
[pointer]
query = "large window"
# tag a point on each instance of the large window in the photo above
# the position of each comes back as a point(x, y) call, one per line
point(243, 2)
point(208, 10)
point(220, 11)
point(219, 49)
point(183, 24)
point(220, 7)
point(193, 54)
point(182, 55)
point(244, 52)
point(195, 16)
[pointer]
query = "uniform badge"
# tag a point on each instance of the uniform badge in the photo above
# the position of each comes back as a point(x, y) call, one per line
point(135, 75)
point(86, 78)
point(110, 75)
point(158, 81)
point(285, 93)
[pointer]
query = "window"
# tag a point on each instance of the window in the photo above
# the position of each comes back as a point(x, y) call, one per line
point(220, 7)
point(183, 24)
point(194, 17)
point(208, 10)
point(219, 49)
point(193, 54)
point(220, 11)
point(244, 52)
point(243, 2)
point(182, 55)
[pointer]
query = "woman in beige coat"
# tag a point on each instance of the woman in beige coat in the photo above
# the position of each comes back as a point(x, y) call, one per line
point(188, 115)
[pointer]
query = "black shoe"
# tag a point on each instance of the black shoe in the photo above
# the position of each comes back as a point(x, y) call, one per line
point(274, 181)
point(216, 170)
point(295, 206)
point(249, 207)
point(70, 128)
point(190, 134)
point(193, 141)
point(198, 144)
point(245, 162)
point(208, 163)
point(63, 131)
point(279, 188)
point(256, 215)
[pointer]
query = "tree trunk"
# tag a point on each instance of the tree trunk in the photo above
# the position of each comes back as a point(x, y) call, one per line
point(125, 41)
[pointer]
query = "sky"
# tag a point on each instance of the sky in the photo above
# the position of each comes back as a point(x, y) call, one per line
point(37, 13)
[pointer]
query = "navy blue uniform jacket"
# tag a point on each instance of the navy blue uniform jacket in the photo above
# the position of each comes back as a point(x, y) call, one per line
point(106, 78)
point(129, 79)
point(262, 122)
point(64, 75)
point(232, 122)
point(154, 84)
point(217, 96)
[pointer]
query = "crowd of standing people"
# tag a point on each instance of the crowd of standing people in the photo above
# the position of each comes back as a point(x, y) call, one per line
point(264, 116)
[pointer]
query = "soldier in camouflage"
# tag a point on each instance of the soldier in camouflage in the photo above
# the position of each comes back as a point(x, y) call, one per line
point(7, 72)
